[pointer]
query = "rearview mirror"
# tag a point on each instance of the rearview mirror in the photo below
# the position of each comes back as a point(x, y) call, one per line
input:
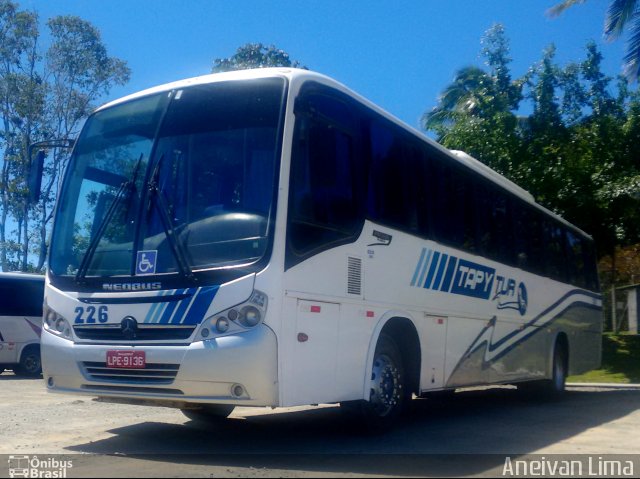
point(35, 176)
point(36, 165)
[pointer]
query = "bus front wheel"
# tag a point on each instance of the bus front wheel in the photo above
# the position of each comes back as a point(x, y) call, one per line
point(209, 413)
point(387, 389)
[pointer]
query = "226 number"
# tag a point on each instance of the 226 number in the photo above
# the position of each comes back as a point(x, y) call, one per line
point(92, 315)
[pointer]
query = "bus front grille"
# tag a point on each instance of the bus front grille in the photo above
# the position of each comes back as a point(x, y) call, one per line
point(151, 374)
point(143, 333)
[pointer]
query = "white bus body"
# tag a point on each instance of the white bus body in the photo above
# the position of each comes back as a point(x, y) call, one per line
point(21, 298)
point(322, 289)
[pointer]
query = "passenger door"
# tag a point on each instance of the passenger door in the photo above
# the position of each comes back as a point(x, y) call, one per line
point(324, 214)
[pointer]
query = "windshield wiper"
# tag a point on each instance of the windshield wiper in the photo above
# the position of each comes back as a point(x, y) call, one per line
point(127, 187)
point(156, 198)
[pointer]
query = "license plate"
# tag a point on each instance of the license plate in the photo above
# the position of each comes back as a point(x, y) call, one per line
point(126, 359)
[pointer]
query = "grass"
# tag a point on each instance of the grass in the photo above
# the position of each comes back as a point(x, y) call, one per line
point(620, 361)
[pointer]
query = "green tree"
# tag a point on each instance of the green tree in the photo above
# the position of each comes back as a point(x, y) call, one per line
point(20, 112)
point(255, 55)
point(621, 14)
point(577, 150)
point(475, 113)
point(42, 96)
point(78, 72)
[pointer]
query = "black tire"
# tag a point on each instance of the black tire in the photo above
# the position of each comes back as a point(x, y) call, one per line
point(30, 365)
point(553, 388)
point(389, 393)
point(209, 413)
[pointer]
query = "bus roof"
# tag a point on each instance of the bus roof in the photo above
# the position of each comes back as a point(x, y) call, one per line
point(296, 76)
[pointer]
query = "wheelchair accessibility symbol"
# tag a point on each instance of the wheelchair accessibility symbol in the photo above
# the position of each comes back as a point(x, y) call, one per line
point(146, 262)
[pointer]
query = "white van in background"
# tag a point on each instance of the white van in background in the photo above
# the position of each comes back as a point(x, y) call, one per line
point(21, 297)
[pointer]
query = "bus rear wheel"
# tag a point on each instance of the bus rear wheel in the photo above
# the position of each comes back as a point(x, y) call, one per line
point(209, 413)
point(387, 393)
point(30, 365)
point(553, 388)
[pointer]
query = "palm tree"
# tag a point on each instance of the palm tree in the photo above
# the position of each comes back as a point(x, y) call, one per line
point(621, 14)
point(468, 94)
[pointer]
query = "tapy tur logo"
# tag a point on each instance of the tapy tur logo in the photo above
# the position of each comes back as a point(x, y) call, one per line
point(519, 301)
point(441, 272)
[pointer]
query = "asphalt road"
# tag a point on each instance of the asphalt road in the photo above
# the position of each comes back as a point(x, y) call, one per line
point(470, 434)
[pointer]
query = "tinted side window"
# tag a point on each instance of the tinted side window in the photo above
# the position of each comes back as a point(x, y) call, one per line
point(591, 269)
point(21, 298)
point(575, 257)
point(392, 189)
point(324, 194)
point(533, 235)
point(525, 234)
point(440, 199)
point(495, 223)
point(555, 264)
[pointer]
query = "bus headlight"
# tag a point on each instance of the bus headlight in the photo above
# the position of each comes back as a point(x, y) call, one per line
point(239, 318)
point(250, 316)
point(56, 324)
point(222, 325)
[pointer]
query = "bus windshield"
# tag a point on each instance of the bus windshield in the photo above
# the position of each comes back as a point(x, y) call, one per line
point(172, 182)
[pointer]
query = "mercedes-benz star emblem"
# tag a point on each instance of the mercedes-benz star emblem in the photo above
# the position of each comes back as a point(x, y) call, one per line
point(129, 327)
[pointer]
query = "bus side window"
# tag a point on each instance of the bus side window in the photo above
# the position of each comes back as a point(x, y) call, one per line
point(533, 235)
point(555, 259)
point(323, 201)
point(392, 189)
point(524, 234)
point(575, 256)
point(590, 261)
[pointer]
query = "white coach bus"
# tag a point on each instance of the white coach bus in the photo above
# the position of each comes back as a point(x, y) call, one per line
point(270, 238)
point(21, 323)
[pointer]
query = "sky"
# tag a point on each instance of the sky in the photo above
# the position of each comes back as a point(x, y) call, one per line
point(399, 54)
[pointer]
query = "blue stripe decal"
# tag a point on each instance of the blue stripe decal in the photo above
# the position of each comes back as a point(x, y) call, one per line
point(162, 306)
point(432, 270)
point(200, 305)
point(424, 268)
point(415, 275)
point(181, 310)
point(534, 329)
point(448, 278)
point(166, 316)
point(152, 310)
point(440, 273)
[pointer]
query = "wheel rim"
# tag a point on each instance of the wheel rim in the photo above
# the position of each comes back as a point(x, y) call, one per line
point(385, 385)
point(32, 364)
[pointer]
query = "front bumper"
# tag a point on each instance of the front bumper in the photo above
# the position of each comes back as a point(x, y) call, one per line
point(205, 372)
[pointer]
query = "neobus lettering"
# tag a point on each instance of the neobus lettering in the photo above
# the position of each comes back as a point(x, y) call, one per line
point(131, 286)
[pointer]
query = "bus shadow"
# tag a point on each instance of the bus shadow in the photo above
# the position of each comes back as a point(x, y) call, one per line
point(485, 426)
point(10, 376)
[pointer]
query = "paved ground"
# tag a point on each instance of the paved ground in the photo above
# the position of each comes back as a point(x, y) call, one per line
point(484, 426)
